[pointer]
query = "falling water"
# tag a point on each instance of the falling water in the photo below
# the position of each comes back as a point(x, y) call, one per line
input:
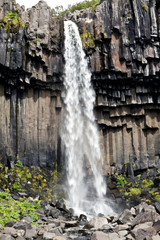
point(80, 133)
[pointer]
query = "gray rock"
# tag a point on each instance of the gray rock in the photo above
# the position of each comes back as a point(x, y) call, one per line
point(20, 233)
point(122, 233)
point(157, 206)
point(156, 237)
point(126, 217)
point(96, 222)
point(99, 236)
point(11, 231)
point(31, 232)
point(156, 226)
point(48, 235)
point(20, 238)
point(147, 215)
point(69, 224)
point(60, 238)
point(144, 230)
point(105, 236)
point(22, 225)
point(121, 227)
point(10, 224)
point(58, 231)
point(6, 237)
point(129, 237)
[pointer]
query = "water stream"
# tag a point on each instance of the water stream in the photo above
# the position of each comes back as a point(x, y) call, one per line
point(80, 134)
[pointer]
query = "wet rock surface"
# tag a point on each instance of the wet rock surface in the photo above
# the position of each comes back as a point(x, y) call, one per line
point(140, 226)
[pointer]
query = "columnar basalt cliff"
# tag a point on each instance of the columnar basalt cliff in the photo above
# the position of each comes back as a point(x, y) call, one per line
point(121, 40)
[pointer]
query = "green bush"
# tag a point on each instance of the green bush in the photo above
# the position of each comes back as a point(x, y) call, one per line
point(121, 182)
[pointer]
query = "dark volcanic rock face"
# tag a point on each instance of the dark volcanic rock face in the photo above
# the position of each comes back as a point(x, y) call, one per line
point(121, 39)
point(30, 83)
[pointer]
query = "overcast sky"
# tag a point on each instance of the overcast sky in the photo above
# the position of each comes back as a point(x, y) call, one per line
point(51, 3)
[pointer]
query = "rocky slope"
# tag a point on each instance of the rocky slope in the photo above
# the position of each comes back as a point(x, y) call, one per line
point(121, 40)
point(57, 223)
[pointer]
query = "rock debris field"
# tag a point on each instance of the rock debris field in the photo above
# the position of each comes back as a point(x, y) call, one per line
point(57, 223)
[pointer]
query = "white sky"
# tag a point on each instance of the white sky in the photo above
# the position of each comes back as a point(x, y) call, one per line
point(51, 3)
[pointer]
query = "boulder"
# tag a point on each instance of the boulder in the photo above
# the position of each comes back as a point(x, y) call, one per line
point(156, 225)
point(147, 215)
point(31, 232)
point(126, 217)
point(6, 237)
point(96, 222)
point(99, 236)
point(156, 237)
point(11, 231)
point(60, 238)
point(48, 235)
point(141, 231)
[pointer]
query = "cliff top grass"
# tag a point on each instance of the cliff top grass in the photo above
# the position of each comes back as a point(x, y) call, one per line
point(59, 11)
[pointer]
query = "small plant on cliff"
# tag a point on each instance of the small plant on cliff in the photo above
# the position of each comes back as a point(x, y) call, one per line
point(121, 182)
point(144, 6)
point(12, 20)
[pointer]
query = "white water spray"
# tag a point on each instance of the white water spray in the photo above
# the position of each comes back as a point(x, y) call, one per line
point(80, 134)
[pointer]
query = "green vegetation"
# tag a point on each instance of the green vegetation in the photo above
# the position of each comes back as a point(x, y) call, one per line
point(144, 6)
point(121, 181)
point(11, 209)
point(23, 181)
point(36, 40)
point(59, 11)
point(138, 187)
point(33, 182)
point(133, 192)
point(11, 21)
point(87, 39)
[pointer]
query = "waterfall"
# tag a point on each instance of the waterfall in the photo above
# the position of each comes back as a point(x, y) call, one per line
point(80, 134)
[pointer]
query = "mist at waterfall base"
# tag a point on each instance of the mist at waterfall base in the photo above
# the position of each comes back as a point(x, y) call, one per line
point(80, 135)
